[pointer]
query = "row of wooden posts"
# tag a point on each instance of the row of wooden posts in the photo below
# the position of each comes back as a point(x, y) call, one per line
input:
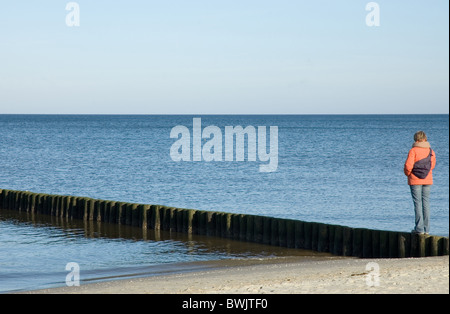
point(320, 237)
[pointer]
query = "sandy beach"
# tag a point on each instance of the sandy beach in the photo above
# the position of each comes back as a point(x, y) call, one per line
point(428, 275)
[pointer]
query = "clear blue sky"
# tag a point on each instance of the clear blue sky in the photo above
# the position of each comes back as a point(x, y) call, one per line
point(224, 56)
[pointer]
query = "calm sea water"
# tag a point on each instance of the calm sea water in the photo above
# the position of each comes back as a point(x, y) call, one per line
point(340, 169)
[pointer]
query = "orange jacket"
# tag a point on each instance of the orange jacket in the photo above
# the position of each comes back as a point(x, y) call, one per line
point(418, 152)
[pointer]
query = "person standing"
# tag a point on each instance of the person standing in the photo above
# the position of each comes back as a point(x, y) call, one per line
point(419, 169)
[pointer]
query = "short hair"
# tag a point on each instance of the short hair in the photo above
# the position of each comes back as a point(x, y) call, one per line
point(420, 136)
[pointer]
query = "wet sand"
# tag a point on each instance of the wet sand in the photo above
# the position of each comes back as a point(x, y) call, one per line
point(290, 275)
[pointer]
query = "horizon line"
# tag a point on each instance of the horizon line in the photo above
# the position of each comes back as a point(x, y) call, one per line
point(222, 114)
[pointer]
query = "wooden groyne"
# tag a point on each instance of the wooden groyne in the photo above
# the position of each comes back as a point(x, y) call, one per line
point(320, 237)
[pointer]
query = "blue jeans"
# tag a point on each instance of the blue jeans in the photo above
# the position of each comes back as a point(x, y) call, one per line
point(421, 198)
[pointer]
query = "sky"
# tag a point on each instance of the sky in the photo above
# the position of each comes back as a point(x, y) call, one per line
point(224, 57)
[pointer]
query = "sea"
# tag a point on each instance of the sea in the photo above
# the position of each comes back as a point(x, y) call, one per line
point(338, 169)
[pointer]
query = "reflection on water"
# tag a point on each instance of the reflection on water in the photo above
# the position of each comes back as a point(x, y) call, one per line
point(34, 250)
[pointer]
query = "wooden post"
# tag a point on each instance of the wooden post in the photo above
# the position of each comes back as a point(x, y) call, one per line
point(323, 238)
point(128, 214)
point(267, 230)
point(135, 215)
point(358, 242)
point(393, 244)
point(144, 210)
point(250, 227)
point(258, 229)
point(211, 223)
point(1, 198)
point(338, 241)
point(299, 234)
point(315, 236)
point(367, 243)
point(433, 246)
point(347, 243)
point(404, 244)
point(376, 245)
point(308, 235)
point(111, 212)
point(444, 246)
point(120, 212)
point(202, 219)
point(282, 232)
point(384, 243)
point(236, 226)
point(155, 222)
point(191, 224)
point(274, 232)
point(196, 221)
point(65, 206)
point(418, 245)
point(290, 236)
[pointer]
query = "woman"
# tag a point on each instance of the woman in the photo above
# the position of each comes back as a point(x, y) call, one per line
point(419, 169)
